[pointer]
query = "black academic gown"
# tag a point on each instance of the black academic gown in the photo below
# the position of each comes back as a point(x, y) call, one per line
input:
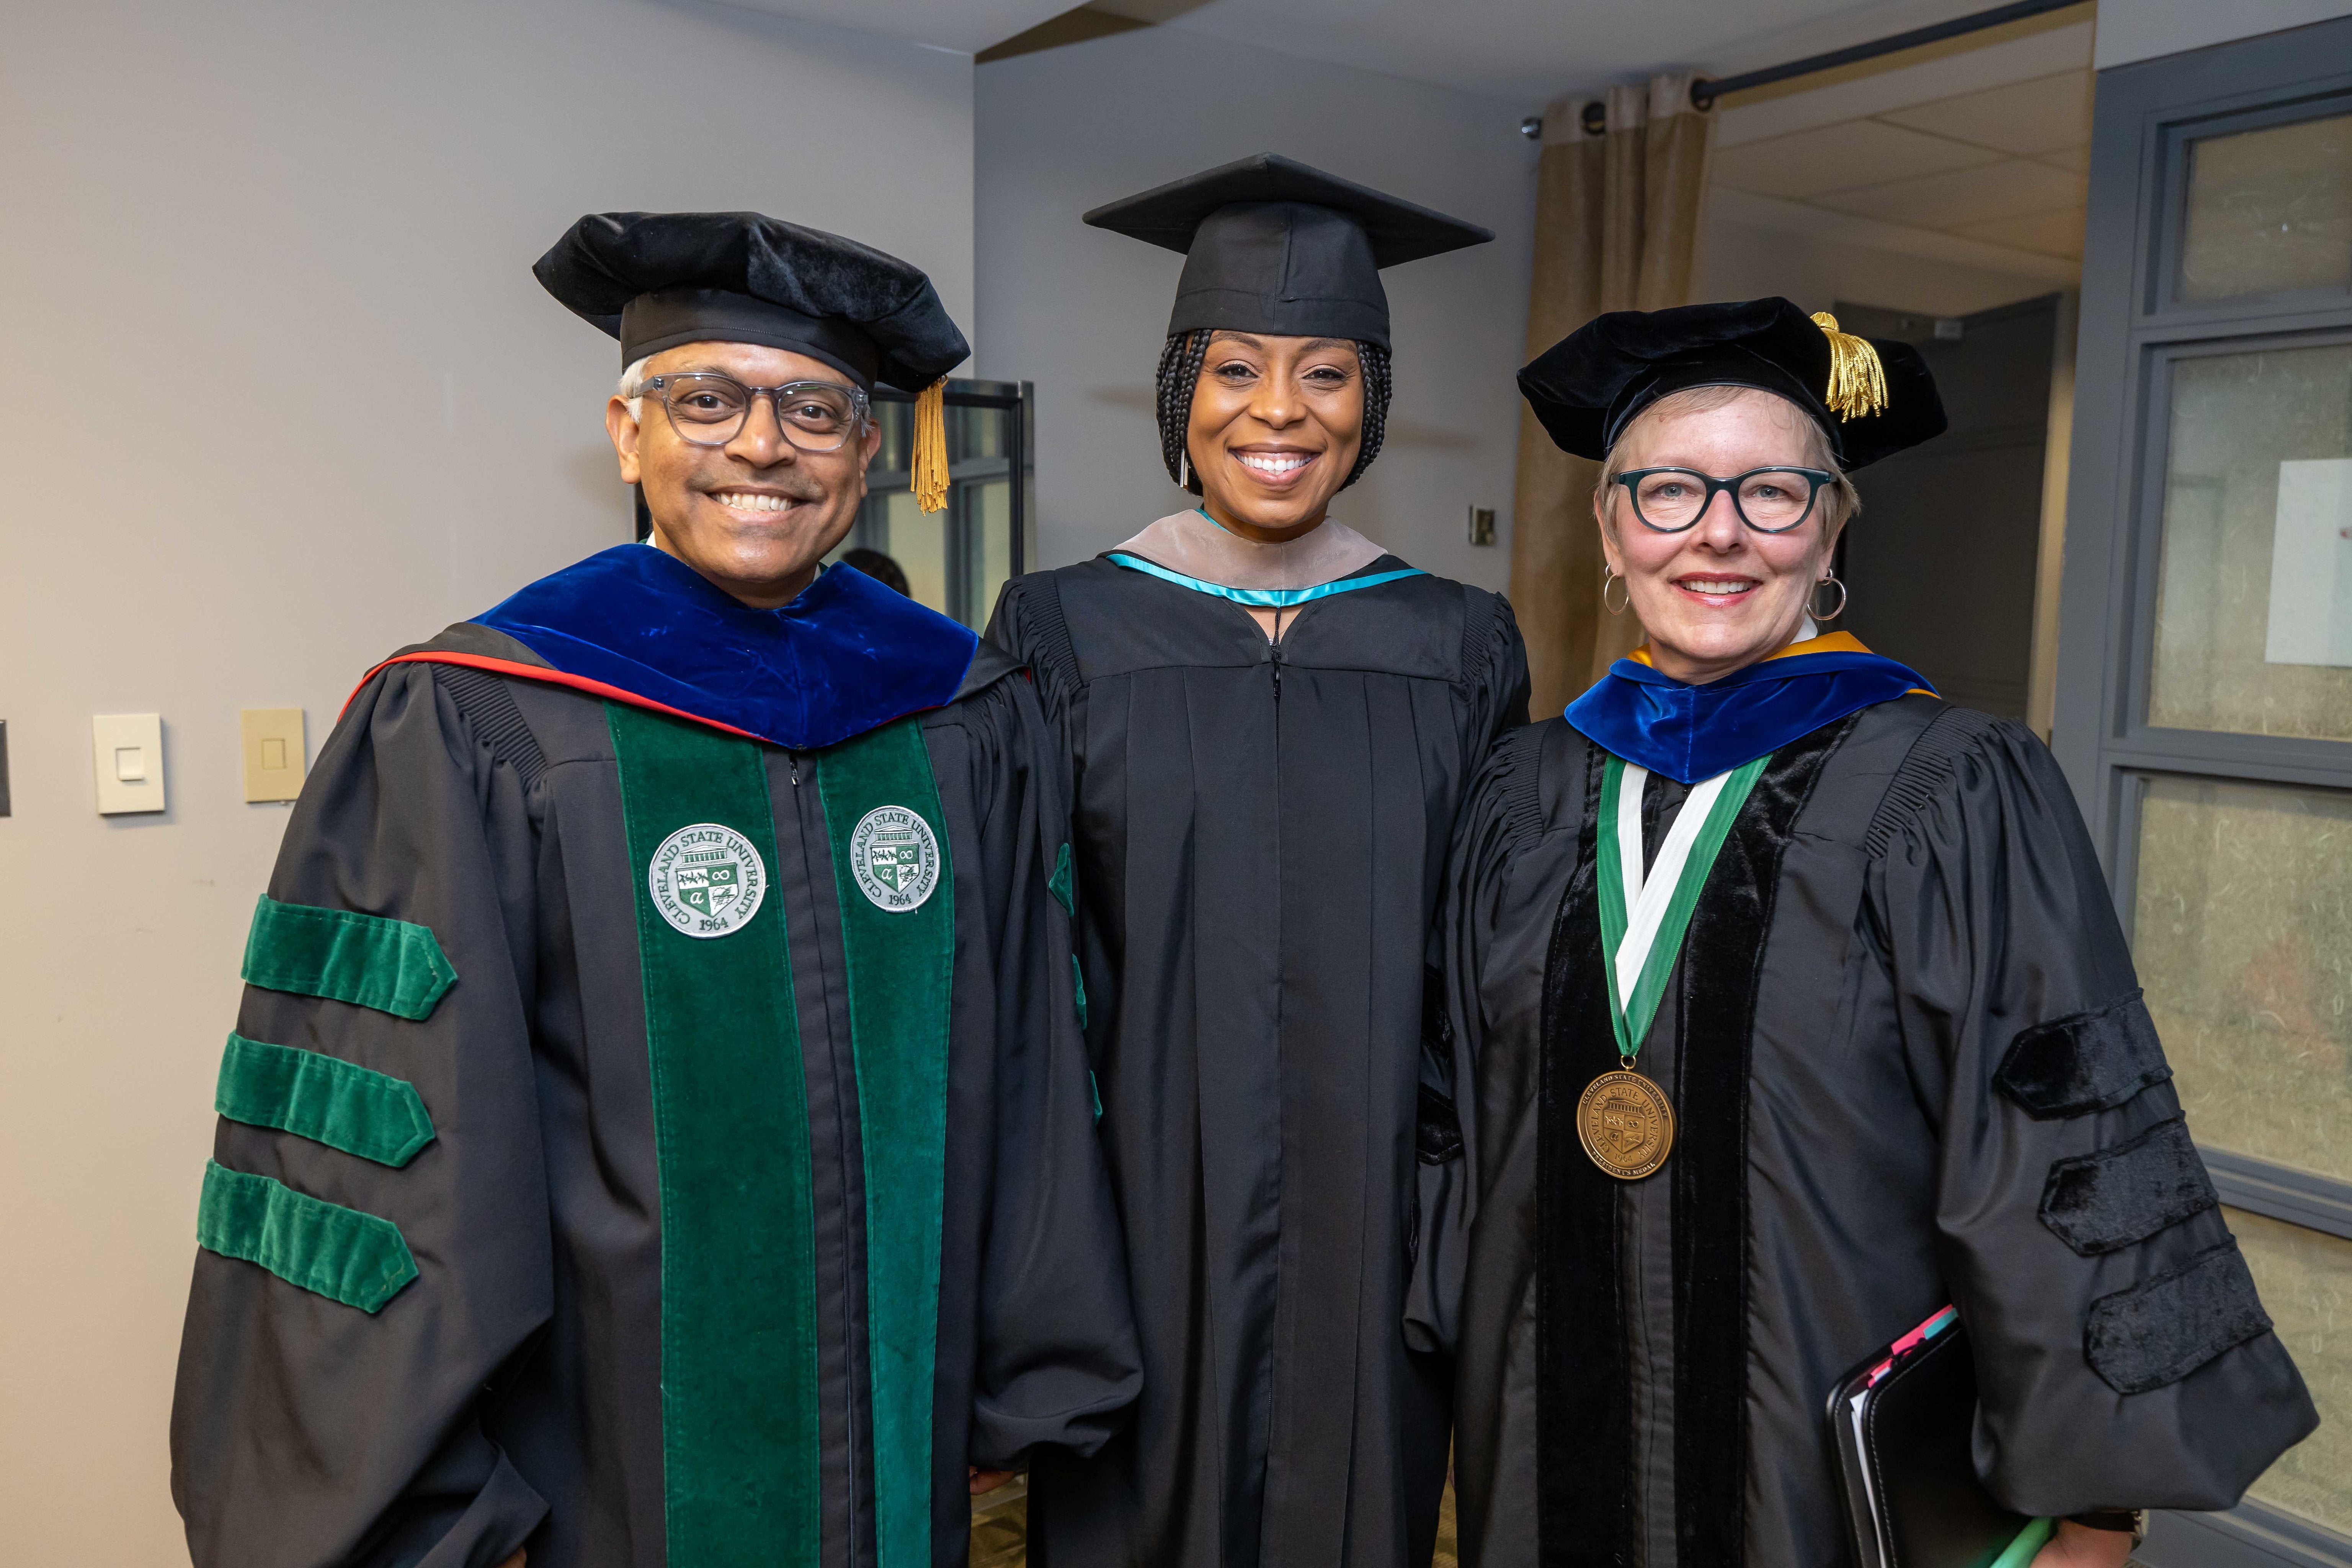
point(1911, 1068)
point(513, 1391)
point(1261, 835)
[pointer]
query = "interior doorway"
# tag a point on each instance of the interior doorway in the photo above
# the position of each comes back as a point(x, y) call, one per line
point(1940, 568)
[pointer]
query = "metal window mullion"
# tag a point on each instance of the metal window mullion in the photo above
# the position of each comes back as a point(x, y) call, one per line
point(2281, 1192)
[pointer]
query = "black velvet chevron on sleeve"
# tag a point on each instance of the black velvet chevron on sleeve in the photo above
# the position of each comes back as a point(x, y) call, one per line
point(2165, 1327)
point(2084, 1062)
point(2107, 1200)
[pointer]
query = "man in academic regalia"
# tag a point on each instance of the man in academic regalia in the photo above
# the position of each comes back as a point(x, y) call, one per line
point(656, 1130)
point(1270, 719)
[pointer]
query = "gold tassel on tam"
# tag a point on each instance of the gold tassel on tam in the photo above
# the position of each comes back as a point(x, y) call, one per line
point(931, 460)
point(1857, 381)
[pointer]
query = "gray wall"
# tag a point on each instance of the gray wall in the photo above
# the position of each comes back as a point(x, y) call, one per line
point(280, 395)
point(1083, 313)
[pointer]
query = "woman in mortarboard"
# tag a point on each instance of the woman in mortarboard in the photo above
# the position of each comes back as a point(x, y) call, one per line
point(1797, 1012)
point(1270, 721)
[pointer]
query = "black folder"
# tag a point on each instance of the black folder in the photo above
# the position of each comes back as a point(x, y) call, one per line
point(1901, 1423)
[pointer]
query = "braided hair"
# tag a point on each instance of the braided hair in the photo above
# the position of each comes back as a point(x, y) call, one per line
point(1180, 372)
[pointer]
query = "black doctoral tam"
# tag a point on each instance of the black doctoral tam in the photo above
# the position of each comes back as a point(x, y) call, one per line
point(656, 281)
point(1874, 396)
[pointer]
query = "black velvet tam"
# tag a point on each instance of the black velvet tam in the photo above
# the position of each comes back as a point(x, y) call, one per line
point(1272, 246)
point(1588, 387)
point(656, 281)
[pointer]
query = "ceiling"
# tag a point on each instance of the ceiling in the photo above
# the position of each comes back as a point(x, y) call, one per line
point(1972, 151)
point(1524, 50)
point(1975, 155)
point(966, 27)
point(2002, 165)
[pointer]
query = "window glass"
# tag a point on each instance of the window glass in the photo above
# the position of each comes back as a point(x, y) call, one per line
point(976, 432)
point(2306, 1278)
point(896, 454)
point(993, 516)
point(2242, 929)
point(2253, 620)
point(917, 541)
point(2269, 210)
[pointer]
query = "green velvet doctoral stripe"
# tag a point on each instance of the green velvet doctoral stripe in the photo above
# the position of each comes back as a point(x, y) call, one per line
point(1059, 883)
point(324, 1099)
point(342, 1254)
point(900, 965)
point(394, 966)
point(739, 1370)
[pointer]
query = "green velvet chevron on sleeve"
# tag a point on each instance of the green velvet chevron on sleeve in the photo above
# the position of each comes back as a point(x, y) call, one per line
point(372, 960)
point(324, 1099)
point(342, 1254)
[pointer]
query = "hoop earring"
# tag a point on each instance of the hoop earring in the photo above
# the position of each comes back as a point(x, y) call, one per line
point(1607, 577)
point(1831, 580)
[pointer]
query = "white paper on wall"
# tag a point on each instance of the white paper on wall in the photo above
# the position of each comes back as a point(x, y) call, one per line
point(2311, 564)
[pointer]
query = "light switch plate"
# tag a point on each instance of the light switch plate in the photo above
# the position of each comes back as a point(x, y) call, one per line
point(273, 753)
point(126, 751)
point(1482, 525)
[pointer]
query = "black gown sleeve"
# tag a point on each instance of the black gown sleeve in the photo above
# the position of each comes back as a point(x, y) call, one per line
point(1475, 992)
point(1059, 1362)
point(2123, 1358)
point(358, 1293)
point(1027, 624)
point(1501, 699)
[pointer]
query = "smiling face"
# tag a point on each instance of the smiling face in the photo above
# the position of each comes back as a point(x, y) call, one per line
point(1276, 424)
point(1718, 595)
point(756, 515)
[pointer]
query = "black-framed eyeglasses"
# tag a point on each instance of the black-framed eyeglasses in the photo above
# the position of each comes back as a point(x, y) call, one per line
point(708, 409)
point(1769, 500)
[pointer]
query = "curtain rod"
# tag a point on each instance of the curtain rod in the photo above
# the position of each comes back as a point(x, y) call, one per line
point(1703, 93)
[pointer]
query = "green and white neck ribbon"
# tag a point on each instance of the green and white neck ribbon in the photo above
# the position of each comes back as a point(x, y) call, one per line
point(1645, 918)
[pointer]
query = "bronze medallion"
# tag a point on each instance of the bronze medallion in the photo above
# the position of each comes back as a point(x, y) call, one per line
point(1625, 1124)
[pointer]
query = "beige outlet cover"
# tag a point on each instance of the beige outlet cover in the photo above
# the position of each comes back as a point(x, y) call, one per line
point(273, 753)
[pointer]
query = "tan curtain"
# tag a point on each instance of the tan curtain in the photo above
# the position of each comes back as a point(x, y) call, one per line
point(1616, 222)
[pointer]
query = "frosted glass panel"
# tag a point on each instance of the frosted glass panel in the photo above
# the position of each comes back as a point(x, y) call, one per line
point(2269, 211)
point(992, 512)
point(2243, 931)
point(917, 541)
point(2253, 621)
point(2306, 1278)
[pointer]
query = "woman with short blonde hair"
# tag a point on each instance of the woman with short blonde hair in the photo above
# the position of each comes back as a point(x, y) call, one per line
point(1798, 1033)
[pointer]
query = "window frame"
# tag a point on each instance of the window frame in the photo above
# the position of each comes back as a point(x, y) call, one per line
point(2133, 331)
point(1017, 464)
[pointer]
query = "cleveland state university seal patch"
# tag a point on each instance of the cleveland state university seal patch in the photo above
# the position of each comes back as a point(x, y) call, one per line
point(706, 879)
point(894, 857)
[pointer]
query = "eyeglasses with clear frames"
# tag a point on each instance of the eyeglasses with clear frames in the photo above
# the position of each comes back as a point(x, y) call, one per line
point(1769, 500)
point(709, 408)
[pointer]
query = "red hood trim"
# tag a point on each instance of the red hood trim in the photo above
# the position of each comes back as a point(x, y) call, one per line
point(552, 678)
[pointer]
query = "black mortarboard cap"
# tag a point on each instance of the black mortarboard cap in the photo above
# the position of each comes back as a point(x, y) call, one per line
point(1272, 246)
point(1873, 396)
point(656, 281)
